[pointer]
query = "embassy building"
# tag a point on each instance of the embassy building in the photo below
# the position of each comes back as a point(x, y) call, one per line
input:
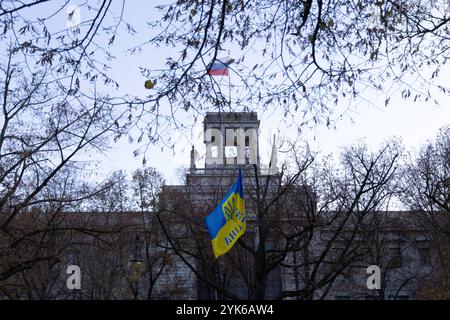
point(301, 241)
point(294, 248)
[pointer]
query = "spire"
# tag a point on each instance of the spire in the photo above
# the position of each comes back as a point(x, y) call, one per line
point(193, 158)
point(273, 169)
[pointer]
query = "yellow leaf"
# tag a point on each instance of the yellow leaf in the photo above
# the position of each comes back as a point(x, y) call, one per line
point(149, 84)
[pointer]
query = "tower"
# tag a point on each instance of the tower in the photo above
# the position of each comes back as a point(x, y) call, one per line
point(231, 140)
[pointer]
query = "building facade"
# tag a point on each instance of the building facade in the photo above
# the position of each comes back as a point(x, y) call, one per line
point(295, 247)
point(333, 263)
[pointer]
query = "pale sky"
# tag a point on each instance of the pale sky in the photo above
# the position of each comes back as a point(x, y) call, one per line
point(374, 123)
point(414, 123)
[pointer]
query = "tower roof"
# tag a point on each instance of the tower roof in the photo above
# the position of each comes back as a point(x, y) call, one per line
point(231, 117)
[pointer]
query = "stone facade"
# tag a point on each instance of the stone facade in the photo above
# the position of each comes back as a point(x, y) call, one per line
point(405, 259)
point(129, 256)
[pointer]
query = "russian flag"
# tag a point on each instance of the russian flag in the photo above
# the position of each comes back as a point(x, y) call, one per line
point(220, 67)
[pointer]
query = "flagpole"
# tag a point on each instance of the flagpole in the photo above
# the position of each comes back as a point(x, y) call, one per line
point(229, 90)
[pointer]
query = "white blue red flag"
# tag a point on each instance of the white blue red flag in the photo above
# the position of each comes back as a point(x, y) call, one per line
point(220, 67)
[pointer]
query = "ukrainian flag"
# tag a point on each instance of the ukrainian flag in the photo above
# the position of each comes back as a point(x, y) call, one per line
point(227, 222)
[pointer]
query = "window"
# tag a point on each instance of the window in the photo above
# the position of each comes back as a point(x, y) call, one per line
point(73, 256)
point(214, 151)
point(343, 297)
point(273, 285)
point(274, 280)
point(395, 256)
point(338, 254)
point(138, 247)
point(399, 297)
point(424, 255)
point(231, 151)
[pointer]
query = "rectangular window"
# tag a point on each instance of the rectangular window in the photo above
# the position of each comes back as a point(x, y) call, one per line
point(214, 151)
point(399, 297)
point(425, 256)
point(230, 151)
point(372, 297)
point(395, 256)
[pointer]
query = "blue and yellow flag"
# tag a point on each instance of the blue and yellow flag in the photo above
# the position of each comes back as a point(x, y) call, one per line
point(227, 222)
